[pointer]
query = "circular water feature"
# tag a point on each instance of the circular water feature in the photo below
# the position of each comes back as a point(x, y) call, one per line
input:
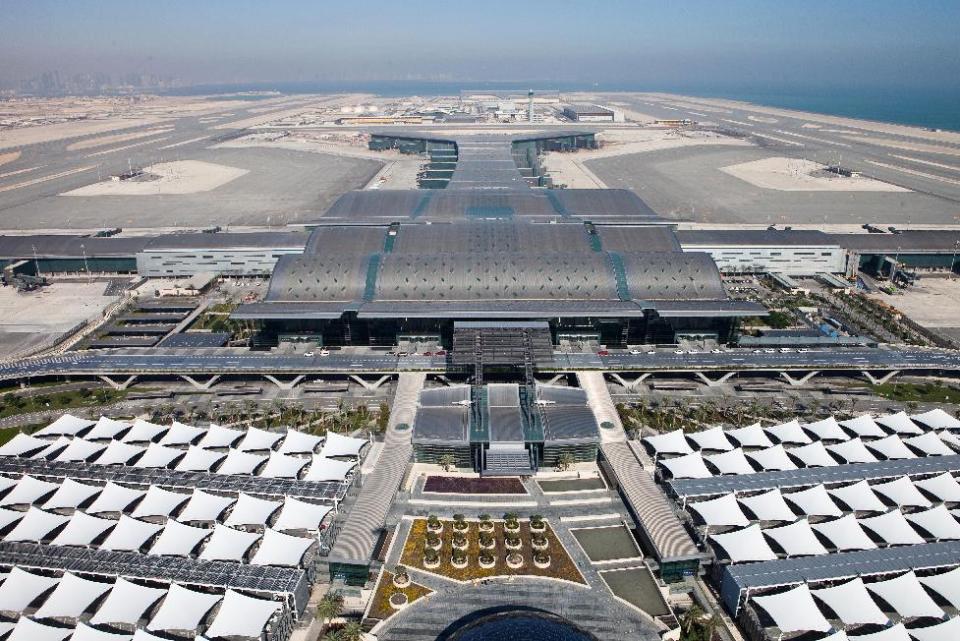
point(521, 626)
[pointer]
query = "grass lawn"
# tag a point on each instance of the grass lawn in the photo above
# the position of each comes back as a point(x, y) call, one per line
point(919, 392)
point(607, 543)
point(561, 565)
point(572, 485)
point(637, 587)
point(380, 608)
point(13, 405)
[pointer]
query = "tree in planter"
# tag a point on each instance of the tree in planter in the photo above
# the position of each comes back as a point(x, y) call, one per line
point(486, 558)
point(330, 607)
point(433, 540)
point(539, 541)
point(447, 462)
point(537, 522)
point(430, 557)
point(513, 541)
point(459, 541)
point(352, 631)
point(487, 540)
point(541, 558)
point(564, 461)
point(400, 575)
point(433, 523)
point(511, 521)
point(486, 524)
point(460, 522)
point(690, 619)
point(459, 557)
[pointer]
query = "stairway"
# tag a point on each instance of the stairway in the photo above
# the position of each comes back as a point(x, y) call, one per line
point(507, 459)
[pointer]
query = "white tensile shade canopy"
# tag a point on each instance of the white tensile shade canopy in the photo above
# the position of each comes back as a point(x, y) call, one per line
point(6, 483)
point(159, 502)
point(227, 544)
point(732, 462)
point(796, 539)
point(949, 630)
point(894, 633)
point(340, 445)
point(688, 466)
point(773, 459)
point(158, 456)
point(30, 630)
point(852, 604)
point(300, 515)
point(899, 423)
point(107, 428)
point(283, 466)
point(950, 438)
point(66, 425)
point(769, 506)
point(813, 455)
point(845, 534)
point(183, 609)
point(143, 432)
point(130, 534)
point(668, 443)
point(281, 549)
point(218, 436)
point(943, 486)
point(6, 626)
point(238, 462)
point(242, 616)
point(82, 529)
point(9, 517)
point(793, 610)
point(902, 492)
point(750, 436)
point(204, 506)
point(250, 510)
point(52, 448)
point(892, 528)
point(181, 434)
point(859, 497)
point(257, 439)
point(936, 419)
point(142, 635)
point(28, 491)
point(906, 596)
point(36, 525)
point(79, 450)
point(712, 439)
point(328, 469)
point(929, 444)
point(126, 603)
point(71, 597)
point(864, 426)
point(22, 444)
point(813, 501)
point(296, 442)
point(84, 632)
point(789, 433)
point(71, 494)
point(891, 448)
point(21, 588)
point(114, 498)
point(747, 544)
point(118, 453)
point(720, 511)
point(938, 522)
point(178, 539)
point(198, 459)
point(852, 451)
point(946, 584)
point(827, 430)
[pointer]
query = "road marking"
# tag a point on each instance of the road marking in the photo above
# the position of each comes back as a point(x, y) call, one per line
point(738, 122)
point(914, 172)
point(823, 140)
point(43, 179)
point(136, 144)
point(20, 171)
point(927, 162)
point(185, 142)
point(783, 140)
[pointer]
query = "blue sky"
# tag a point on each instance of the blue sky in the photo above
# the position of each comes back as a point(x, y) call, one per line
point(732, 42)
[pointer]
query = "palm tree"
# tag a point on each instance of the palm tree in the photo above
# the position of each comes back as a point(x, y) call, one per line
point(711, 625)
point(447, 461)
point(330, 607)
point(352, 631)
point(564, 461)
point(690, 618)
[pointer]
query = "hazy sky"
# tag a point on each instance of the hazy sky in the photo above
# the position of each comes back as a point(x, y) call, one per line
point(717, 42)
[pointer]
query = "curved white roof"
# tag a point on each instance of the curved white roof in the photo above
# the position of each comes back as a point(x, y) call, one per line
point(238, 462)
point(257, 439)
point(892, 528)
point(242, 616)
point(21, 588)
point(227, 544)
point(929, 444)
point(769, 506)
point(713, 439)
point(340, 445)
point(796, 539)
point(859, 497)
point(52, 448)
point(143, 431)
point(183, 609)
point(946, 584)
point(6, 483)
point(159, 502)
point(894, 633)
point(71, 494)
point(142, 635)
point(864, 426)
point(71, 597)
point(281, 549)
point(949, 630)
point(126, 603)
point(130, 534)
point(789, 433)
point(250, 510)
point(9, 517)
point(938, 522)
point(852, 604)
point(891, 448)
point(158, 456)
point(296, 442)
point(66, 425)
point(814, 501)
point(827, 430)
point(22, 444)
point(898, 423)
point(668, 443)
point(902, 492)
point(937, 419)
point(906, 596)
point(118, 453)
point(813, 455)
point(84, 632)
point(79, 450)
point(943, 486)
point(178, 539)
point(107, 428)
point(328, 469)
point(720, 511)
point(218, 436)
point(28, 490)
point(198, 459)
point(750, 436)
point(794, 610)
point(773, 459)
point(747, 544)
point(732, 462)
point(845, 534)
point(203, 506)
point(300, 515)
point(181, 434)
point(30, 630)
point(114, 498)
point(82, 529)
point(283, 466)
point(35, 525)
point(950, 438)
point(852, 451)
point(688, 466)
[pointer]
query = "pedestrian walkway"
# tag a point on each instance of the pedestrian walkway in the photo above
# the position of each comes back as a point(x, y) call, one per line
point(598, 396)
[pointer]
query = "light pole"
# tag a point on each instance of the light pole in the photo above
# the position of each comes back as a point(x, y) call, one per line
point(36, 263)
point(953, 259)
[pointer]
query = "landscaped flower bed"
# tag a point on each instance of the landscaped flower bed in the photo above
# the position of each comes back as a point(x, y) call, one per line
point(461, 485)
point(560, 565)
point(381, 607)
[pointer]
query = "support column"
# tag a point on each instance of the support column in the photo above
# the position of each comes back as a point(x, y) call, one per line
point(628, 384)
point(122, 385)
point(367, 385)
point(709, 382)
point(874, 380)
point(286, 386)
point(797, 382)
point(201, 386)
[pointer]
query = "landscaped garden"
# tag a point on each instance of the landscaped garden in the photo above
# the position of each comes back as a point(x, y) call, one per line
point(572, 485)
point(607, 543)
point(394, 592)
point(462, 485)
point(476, 549)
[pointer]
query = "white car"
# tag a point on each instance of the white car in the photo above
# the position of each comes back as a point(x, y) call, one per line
point(678, 351)
point(324, 352)
point(652, 352)
point(715, 351)
point(635, 352)
point(308, 354)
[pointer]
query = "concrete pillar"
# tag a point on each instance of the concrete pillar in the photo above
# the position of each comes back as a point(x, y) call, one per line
point(119, 386)
point(367, 385)
point(201, 386)
point(627, 383)
point(874, 380)
point(286, 386)
point(709, 382)
point(797, 382)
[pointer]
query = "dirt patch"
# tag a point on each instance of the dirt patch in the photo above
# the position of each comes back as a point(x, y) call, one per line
point(932, 302)
point(460, 485)
point(9, 157)
point(796, 174)
point(180, 177)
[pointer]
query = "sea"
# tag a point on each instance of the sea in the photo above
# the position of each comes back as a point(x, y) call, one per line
point(933, 108)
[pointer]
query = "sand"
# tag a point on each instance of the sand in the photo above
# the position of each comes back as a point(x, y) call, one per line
point(793, 174)
point(179, 177)
point(9, 157)
point(61, 131)
point(103, 141)
point(933, 302)
point(324, 144)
